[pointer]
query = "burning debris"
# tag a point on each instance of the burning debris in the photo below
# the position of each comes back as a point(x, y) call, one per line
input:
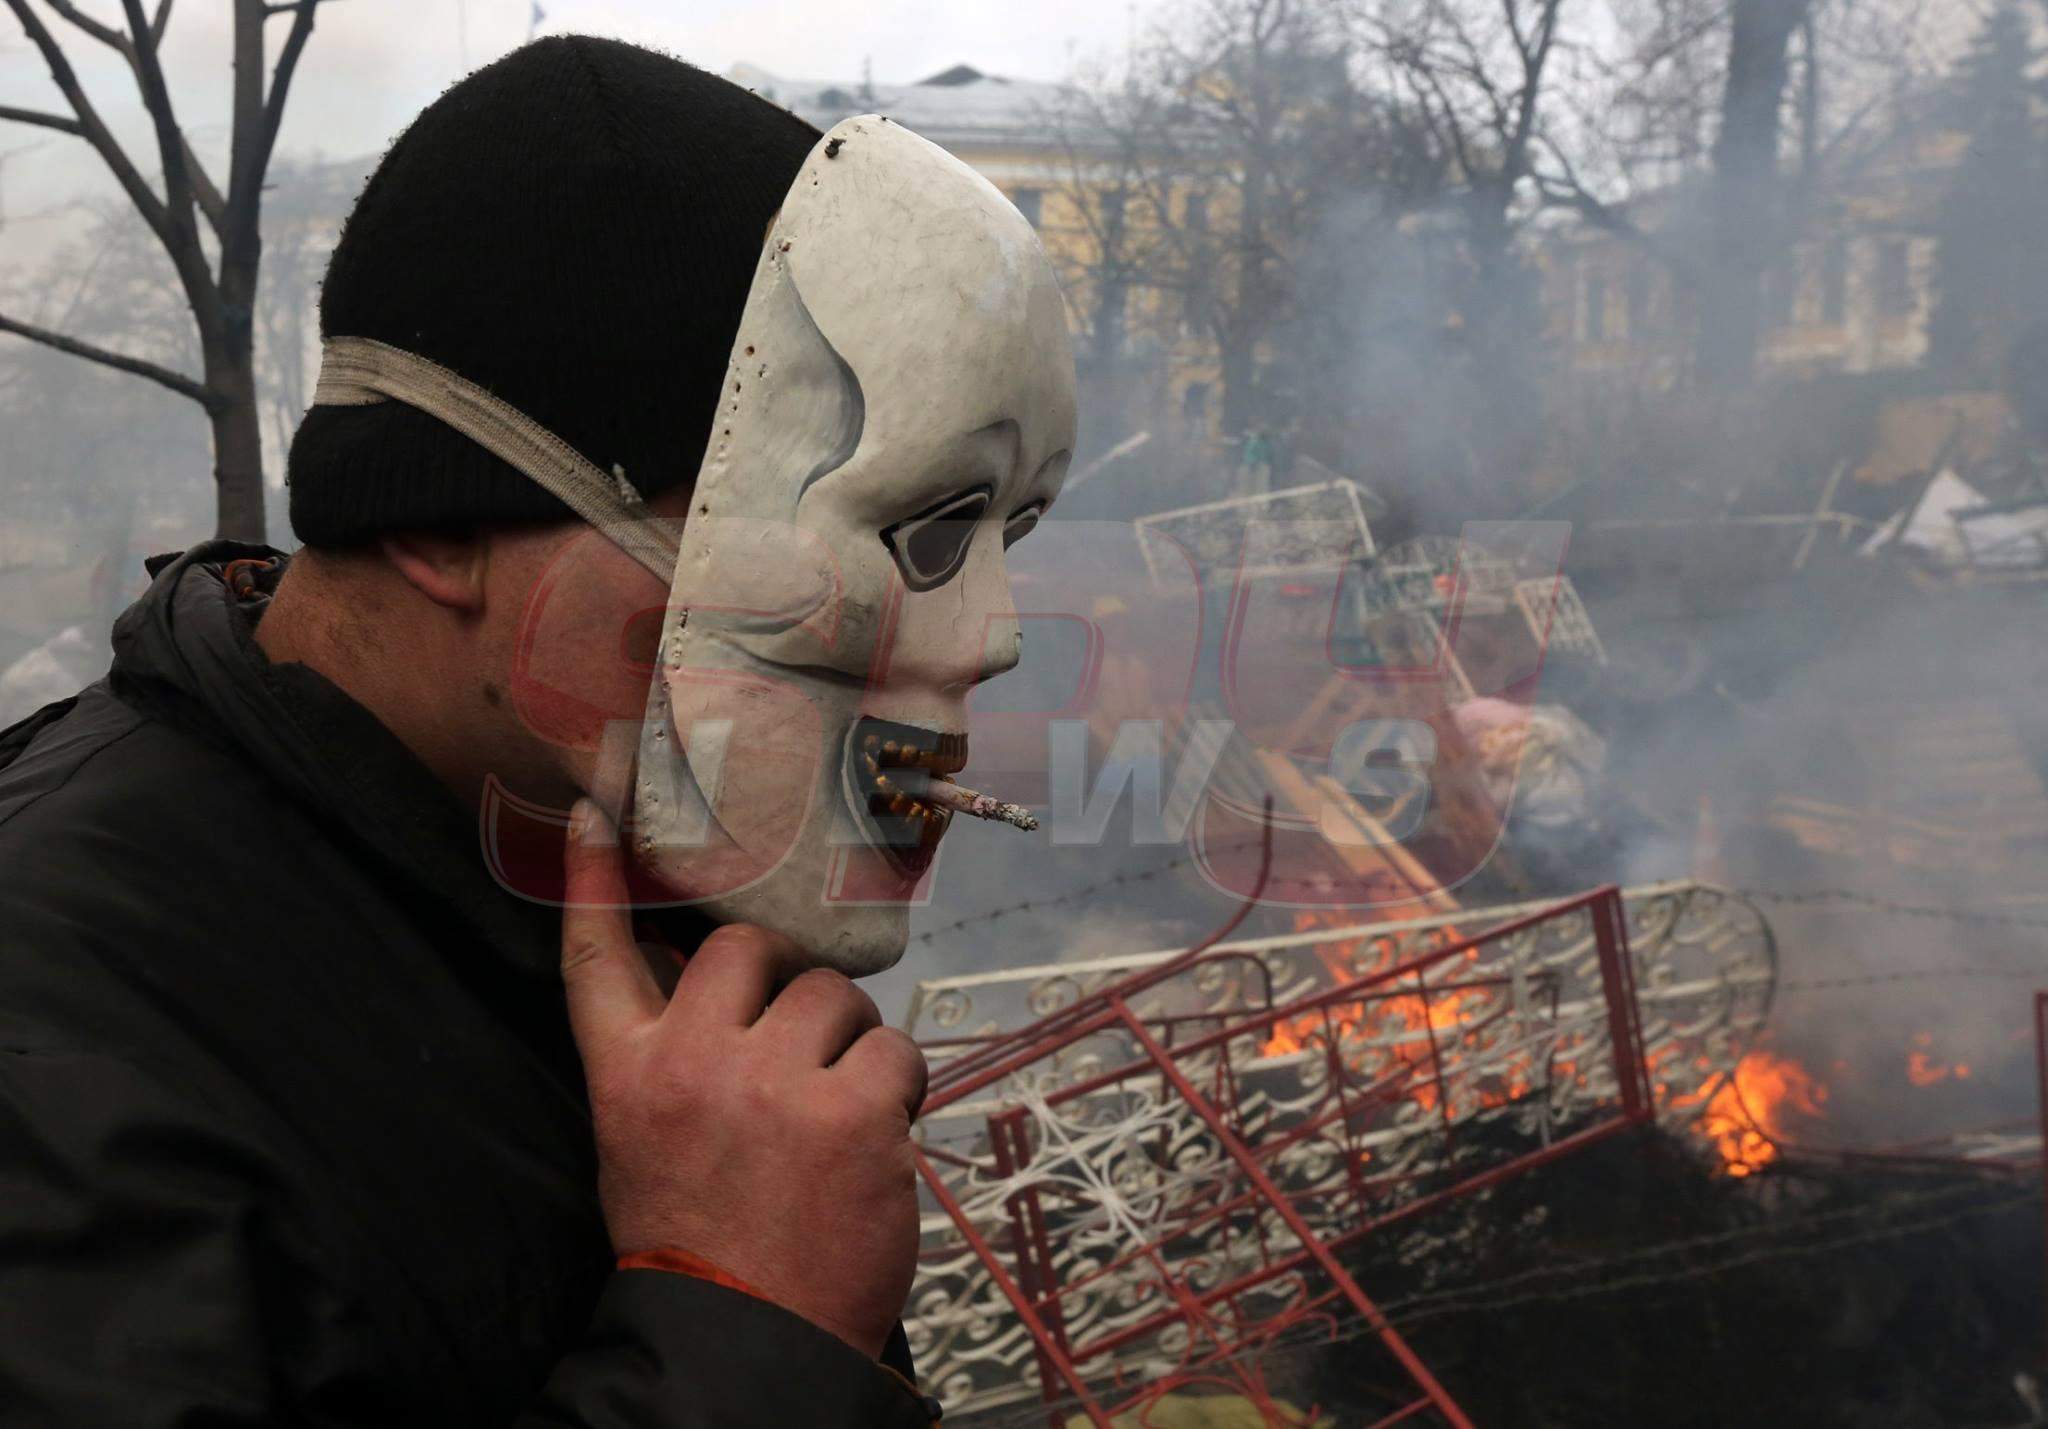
point(1750, 1109)
point(1367, 1072)
point(1922, 1070)
point(1047, 1182)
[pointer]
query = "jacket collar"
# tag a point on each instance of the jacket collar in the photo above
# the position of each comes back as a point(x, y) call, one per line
point(187, 648)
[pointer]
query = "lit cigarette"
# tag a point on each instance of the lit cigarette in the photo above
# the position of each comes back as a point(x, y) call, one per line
point(948, 795)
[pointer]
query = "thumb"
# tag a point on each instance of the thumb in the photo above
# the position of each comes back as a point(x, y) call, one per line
point(609, 989)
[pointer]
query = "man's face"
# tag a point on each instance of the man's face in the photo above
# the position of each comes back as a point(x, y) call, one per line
point(900, 409)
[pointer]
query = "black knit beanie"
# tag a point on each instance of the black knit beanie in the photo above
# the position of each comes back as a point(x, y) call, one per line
point(574, 229)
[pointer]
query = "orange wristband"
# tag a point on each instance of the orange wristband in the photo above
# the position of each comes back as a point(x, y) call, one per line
point(684, 1262)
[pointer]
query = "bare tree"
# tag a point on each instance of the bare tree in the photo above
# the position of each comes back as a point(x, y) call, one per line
point(1102, 126)
point(1744, 118)
point(218, 276)
point(1475, 73)
point(1198, 171)
point(1746, 198)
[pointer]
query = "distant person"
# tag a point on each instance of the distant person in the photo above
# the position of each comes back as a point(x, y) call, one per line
point(1282, 459)
point(1255, 462)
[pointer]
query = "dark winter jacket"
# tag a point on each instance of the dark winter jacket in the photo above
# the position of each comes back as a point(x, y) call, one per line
point(292, 1129)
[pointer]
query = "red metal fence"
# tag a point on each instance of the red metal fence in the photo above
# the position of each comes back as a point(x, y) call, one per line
point(1159, 1182)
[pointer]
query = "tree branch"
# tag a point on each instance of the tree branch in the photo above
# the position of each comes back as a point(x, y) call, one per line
point(106, 34)
point(170, 140)
point(177, 382)
point(47, 121)
point(281, 77)
point(91, 129)
point(204, 189)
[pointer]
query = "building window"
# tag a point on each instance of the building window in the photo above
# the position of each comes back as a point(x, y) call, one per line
point(1030, 203)
point(1894, 279)
point(1834, 282)
point(1196, 211)
point(1593, 317)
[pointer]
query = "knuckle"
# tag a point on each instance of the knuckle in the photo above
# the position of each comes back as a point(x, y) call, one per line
point(757, 1100)
point(903, 1048)
point(676, 1085)
point(742, 940)
point(823, 987)
point(902, 1071)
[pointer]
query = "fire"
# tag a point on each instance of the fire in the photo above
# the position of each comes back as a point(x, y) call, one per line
point(1922, 1070)
point(1746, 1113)
point(1392, 1037)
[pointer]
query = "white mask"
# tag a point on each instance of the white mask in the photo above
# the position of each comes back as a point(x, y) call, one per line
point(898, 406)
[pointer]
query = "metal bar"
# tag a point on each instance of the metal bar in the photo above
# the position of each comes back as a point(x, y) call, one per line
point(1008, 1286)
point(1272, 942)
point(1400, 1414)
point(1436, 1059)
point(1215, 957)
point(1624, 1018)
point(1820, 513)
point(1021, 1248)
point(1041, 1246)
point(1417, 1370)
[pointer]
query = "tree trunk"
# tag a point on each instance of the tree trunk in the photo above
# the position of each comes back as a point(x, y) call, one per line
point(231, 371)
point(237, 453)
point(1745, 221)
point(1107, 341)
point(1238, 370)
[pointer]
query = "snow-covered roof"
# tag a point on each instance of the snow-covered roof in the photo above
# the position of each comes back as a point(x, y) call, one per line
point(957, 107)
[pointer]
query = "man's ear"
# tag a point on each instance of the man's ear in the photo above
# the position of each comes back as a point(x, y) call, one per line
point(448, 570)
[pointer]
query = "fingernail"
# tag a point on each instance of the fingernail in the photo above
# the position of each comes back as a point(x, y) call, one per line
point(582, 818)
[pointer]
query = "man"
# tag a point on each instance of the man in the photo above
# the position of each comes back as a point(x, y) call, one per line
point(314, 1107)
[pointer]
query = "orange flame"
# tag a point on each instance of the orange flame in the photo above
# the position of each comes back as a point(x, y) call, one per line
point(1746, 1113)
point(1922, 1070)
point(1398, 1060)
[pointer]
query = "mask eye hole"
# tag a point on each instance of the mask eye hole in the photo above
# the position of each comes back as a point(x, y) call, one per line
point(1021, 523)
point(931, 546)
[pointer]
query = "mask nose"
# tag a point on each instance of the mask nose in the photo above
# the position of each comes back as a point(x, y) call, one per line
point(967, 631)
point(988, 597)
point(1003, 646)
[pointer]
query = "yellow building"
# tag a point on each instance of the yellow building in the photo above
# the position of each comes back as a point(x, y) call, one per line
point(1020, 135)
point(1854, 293)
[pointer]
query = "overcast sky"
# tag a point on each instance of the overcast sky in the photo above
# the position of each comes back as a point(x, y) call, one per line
point(373, 64)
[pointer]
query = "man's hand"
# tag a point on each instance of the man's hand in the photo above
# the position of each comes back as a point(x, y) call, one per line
point(767, 1132)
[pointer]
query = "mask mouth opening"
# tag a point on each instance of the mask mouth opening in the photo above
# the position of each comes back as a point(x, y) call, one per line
point(888, 766)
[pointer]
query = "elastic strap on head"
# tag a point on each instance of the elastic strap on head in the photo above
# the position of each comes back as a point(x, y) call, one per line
point(359, 371)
